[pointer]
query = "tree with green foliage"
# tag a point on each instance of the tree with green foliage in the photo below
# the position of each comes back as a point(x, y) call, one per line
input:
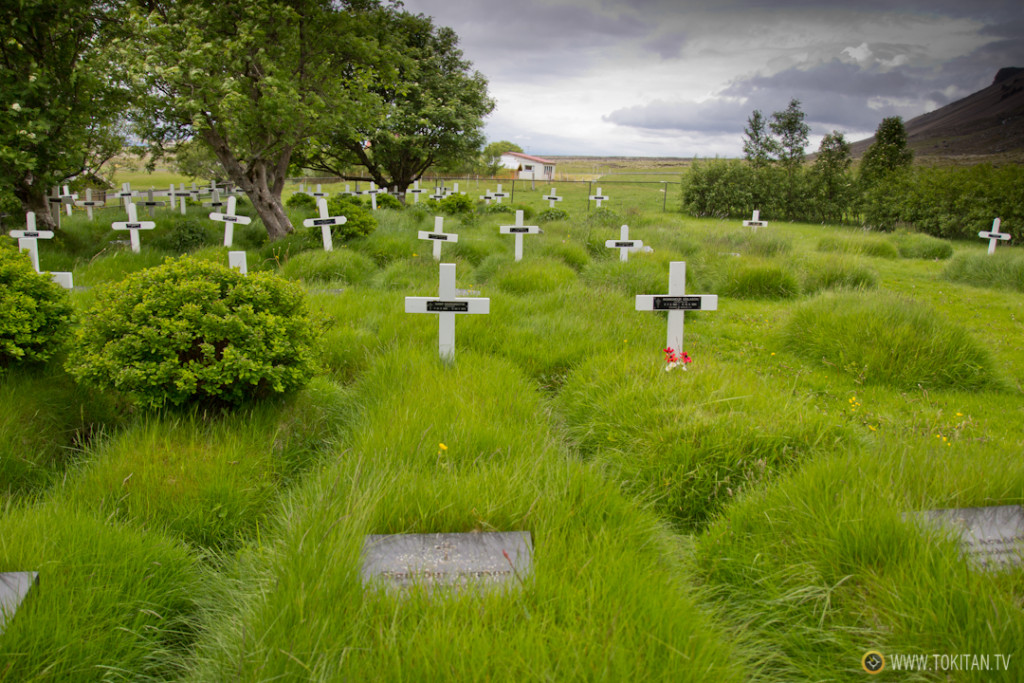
point(34, 311)
point(791, 132)
point(195, 159)
point(253, 80)
point(833, 188)
point(759, 148)
point(492, 154)
point(888, 153)
point(61, 106)
point(431, 115)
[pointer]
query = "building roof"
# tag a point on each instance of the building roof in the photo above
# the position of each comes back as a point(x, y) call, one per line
point(529, 158)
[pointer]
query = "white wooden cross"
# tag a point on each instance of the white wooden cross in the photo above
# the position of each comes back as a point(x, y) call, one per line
point(994, 236)
point(194, 192)
point(324, 222)
point(182, 194)
point(519, 230)
point(624, 244)
point(438, 194)
point(89, 202)
point(373, 192)
point(236, 260)
point(133, 225)
point(69, 199)
point(675, 302)
point(438, 236)
point(552, 198)
point(55, 201)
point(151, 203)
point(27, 238)
point(348, 190)
point(446, 305)
point(215, 200)
point(599, 197)
point(125, 195)
point(755, 221)
point(415, 192)
point(320, 193)
point(499, 195)
point(229, 219)
point(487, 196)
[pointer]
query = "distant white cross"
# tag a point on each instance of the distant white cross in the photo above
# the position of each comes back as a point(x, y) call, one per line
point(215, 200)
point(133, 225)
point(320, 193)
point(446, 305)
point(438, 194)
point(151, 203)
point(675, 302)
point(624, 244)
point(27, 238)
point(229, 219)
point(373, 192)
point(487, 196)
point(994, 236)
point(599, 197)
point(415, 192)
point(182, 194)
point(519, 230)
point(438, 236)
point(89, 202)
point(755, 221)
point(125, 195)
point(324, 222)
point(55, 201)
point(552, 198)
point(499, 195)
point(237, 260)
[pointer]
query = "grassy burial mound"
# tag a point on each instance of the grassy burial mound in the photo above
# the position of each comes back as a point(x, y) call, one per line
point(745, 516)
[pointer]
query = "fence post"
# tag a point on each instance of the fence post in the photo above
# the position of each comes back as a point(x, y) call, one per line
point(664, 200)
point(512, 199)
point(589, 192)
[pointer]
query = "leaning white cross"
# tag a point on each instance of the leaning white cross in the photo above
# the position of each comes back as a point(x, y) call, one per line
point(755, 221)
point(438, 236)
point(324, 222)
point(994, 236)
point(89, 203)
point(519, 230)
point(624, 244)
point(499, 195)
point(415, 192)
point(133, 225)
point(27, 238)
point(373, 192)
point(229, 219)
point(446, 305)
point(599, 197)
point(552, 198)
point(675, 302)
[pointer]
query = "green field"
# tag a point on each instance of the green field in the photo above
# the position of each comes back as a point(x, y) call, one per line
point(743, 519)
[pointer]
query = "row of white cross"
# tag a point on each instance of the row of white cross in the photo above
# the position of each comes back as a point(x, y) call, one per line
point(447, 304)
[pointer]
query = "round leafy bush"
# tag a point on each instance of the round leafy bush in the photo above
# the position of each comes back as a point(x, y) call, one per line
point(496, 208)
point(456, 204)
point(359, 221)
point(195, 331)
point(388, 201)
point(549, 215)
point(34, 311)
point(184, 234)
point(301, 200)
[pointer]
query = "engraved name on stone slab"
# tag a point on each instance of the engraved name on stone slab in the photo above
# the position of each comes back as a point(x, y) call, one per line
point(993, 536)
point(477, 559)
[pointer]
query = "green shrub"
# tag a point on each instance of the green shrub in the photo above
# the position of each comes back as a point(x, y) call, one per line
point(183, 234)
point(919, 245)
point(301, 200)
point(193, 330)
point(496, 209)
point(359, 221)
point(550, 215)
point(880, 338)
point(761, 281)
point(342, 265)
point(603, 218)
point(34, 312)
point(1003, 269)
point(456, 204)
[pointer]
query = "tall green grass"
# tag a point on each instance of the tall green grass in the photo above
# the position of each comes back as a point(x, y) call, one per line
point(1002, 270)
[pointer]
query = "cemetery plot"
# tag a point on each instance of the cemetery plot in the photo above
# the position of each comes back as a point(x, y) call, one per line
point(446, 304)
point(471, 560)
point(438, 236)
point(624, 244)
point(14, 587)
point(518, 229)
point(994, 236)
point(993, 537)
point(676, 302)
point(324, 222)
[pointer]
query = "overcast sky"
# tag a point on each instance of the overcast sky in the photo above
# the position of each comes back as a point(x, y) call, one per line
point(680, 78)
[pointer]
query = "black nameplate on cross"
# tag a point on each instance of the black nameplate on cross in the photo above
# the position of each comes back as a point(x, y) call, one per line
point(447, 306)
point(677, 303)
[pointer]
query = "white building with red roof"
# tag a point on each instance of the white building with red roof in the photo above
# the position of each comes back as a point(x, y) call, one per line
point(529, 167)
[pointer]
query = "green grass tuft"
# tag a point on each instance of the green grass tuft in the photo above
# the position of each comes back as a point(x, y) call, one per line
point(1001, 270)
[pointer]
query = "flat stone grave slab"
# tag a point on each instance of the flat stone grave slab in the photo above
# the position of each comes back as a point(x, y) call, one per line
point(483, 560)
point(992, 536)
point(14, 586)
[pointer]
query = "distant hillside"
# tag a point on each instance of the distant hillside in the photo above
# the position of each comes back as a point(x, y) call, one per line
point(987, 126)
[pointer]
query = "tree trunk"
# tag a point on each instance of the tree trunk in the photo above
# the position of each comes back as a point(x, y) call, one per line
point(262, 187)
point(33, 198)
